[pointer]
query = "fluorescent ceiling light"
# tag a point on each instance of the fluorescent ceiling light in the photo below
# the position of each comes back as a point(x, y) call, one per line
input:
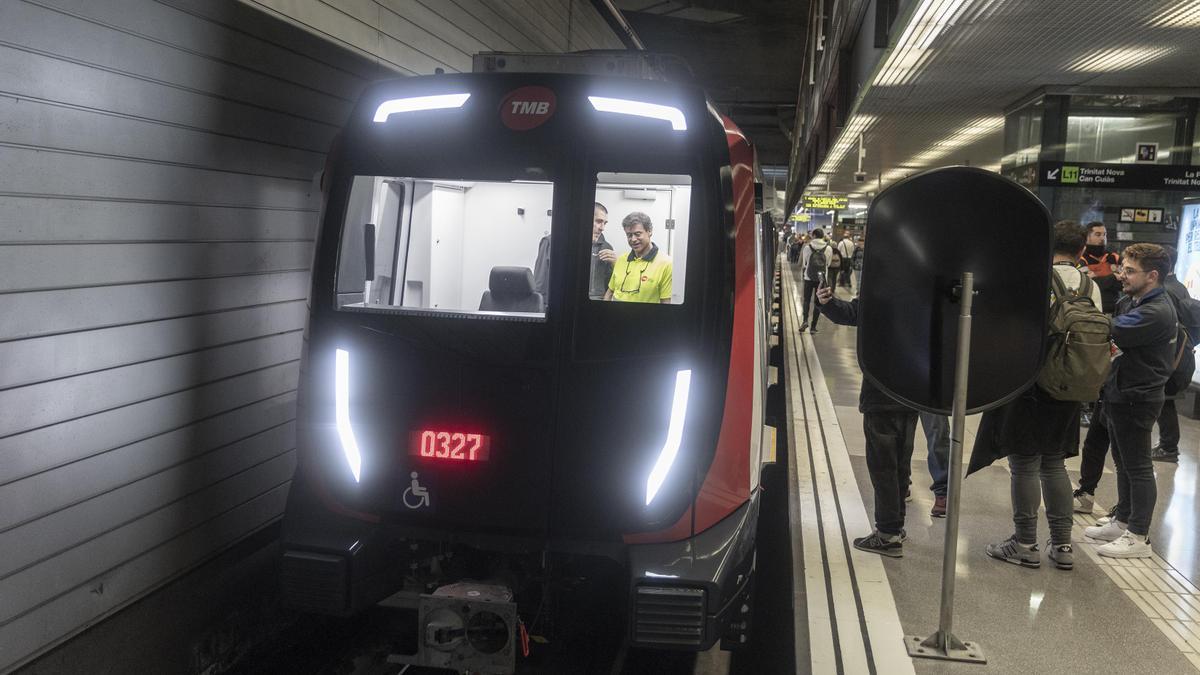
point(929, 20)
point(415, 103)
point(341, 391)
point(846, 141)
point(623, 106)
point(1185, 14)
point(1120, 58)
point(670, 449)
point(957, 139)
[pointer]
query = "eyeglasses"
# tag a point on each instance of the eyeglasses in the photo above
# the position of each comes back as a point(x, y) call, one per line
point(641, 272)
point(1126, 270)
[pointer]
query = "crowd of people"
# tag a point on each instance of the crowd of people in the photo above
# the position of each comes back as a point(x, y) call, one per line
point(1122, 333)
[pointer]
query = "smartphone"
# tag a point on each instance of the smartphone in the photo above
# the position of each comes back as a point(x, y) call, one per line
point(822, 280)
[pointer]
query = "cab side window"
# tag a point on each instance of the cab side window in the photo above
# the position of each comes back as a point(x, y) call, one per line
point(639, 238)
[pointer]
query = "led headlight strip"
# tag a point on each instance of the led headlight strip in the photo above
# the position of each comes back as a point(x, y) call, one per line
point(670, 449)
point(341, 389)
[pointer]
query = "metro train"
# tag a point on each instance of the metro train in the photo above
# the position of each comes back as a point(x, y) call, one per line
point(493, 407)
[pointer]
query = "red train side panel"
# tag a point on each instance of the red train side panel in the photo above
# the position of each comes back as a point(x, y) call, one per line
point(727, 484)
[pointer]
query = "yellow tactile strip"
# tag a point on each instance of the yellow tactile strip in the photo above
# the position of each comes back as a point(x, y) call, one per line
point(1168, 599)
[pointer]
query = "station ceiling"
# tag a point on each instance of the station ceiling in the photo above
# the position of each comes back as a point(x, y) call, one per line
point(938, 96)
point(747, 54)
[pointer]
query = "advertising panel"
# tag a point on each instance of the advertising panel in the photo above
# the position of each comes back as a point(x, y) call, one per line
point(1187, 267)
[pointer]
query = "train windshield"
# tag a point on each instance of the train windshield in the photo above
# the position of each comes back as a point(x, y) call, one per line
point(482, 248)
point(445, 246)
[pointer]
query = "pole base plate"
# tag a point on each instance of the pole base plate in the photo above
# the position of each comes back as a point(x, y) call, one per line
point(950, 649)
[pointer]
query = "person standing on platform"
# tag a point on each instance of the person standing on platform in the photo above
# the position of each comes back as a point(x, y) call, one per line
point(889, 428)
point(1144, 332)
point(856, 264)
point(814, 270)
point(1188, 311)
point(1037, 433)
point(1102, 265)
point(846, 251)
point(937, 459)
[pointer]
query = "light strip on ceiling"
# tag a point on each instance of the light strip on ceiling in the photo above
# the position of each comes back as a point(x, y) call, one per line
point(907, 58)
point(1120, 58)
point(1185, 14)
point(959, 138)
point(670, 449)
point(417, 103)
point(847, 141)
point(929, 21)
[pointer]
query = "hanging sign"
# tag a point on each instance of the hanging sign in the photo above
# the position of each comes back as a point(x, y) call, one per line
point(827, 202)
point(1119, 176)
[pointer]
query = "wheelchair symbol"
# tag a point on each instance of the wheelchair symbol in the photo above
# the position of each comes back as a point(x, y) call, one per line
point(417, 495)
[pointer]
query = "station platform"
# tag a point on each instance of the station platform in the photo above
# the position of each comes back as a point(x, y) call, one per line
point(1104, 616)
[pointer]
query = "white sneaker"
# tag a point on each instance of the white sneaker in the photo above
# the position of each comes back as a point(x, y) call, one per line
point(1128, 545)
point(1109, 531)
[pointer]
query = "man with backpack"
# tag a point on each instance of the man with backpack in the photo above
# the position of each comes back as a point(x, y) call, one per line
point(1188, 311)
point(1145, 334)
point(814, 269)
point(1039, 429)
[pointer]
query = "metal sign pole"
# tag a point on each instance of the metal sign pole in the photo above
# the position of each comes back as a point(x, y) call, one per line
point(943, 644)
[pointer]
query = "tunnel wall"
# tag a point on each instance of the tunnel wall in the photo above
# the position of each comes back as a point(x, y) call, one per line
point(417, 36)
point(157, 211)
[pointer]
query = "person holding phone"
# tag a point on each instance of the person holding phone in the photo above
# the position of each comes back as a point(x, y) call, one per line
point(890, 428)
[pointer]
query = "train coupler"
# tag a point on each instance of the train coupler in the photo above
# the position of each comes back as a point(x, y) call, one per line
point(468, 627)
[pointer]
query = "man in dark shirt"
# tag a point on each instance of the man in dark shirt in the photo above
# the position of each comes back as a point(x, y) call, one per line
point(603, 257)
point(1101, 264)
point(889, 428)
point(1144, 332)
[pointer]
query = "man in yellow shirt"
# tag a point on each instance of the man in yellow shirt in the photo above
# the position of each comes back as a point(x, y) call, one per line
point(644, 275)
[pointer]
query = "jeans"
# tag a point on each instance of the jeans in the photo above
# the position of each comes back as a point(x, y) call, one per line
point(1027, 496)
point(857, 281)
point(889, 462)
point(937, 439)
point(810, 300)
point(1095, 448)
point(1168, 426)
point(1129, 426)
point(845, 278)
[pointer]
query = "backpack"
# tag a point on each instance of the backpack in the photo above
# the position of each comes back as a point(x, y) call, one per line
point(817, 263)
point(1186, 333)
point(1077, 353)
point(857, 260)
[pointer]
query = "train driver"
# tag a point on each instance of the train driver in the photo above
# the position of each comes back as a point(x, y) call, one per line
point(644, 275)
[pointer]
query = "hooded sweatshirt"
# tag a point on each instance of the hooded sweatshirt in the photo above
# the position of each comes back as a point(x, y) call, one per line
point(818, 244)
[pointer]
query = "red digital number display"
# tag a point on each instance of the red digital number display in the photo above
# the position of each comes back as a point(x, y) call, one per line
point(456, 446)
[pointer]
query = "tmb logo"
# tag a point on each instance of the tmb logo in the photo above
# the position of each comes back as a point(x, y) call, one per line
point(526, 108)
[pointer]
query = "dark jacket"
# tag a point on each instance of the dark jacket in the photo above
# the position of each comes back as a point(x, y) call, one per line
point(1100, 262)
point(598, 280)
point(601, 271)
point(870, 397)
point(541, 269)
point(1033, 423)
point(1144, 332)
point(1187, 309)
